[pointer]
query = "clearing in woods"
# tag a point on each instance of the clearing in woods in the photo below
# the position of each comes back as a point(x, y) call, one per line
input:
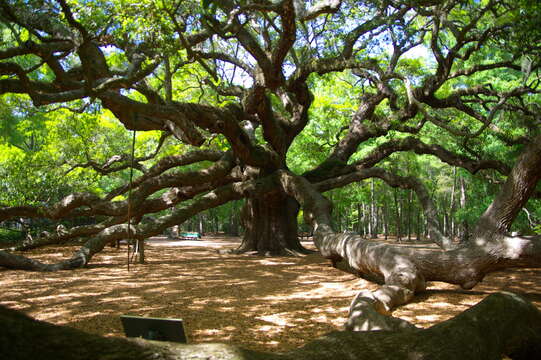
point(271, 304)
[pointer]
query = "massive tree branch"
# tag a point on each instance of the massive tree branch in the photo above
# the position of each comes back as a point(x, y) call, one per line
point(145, 186)
point(518, 188)
point(405, 271)
point(136, 115)
point(413, 144)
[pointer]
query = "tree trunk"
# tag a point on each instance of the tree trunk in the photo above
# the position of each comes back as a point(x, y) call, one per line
point(233, 228)
point(373, 212)
point(419, 226)
point(385, 220)
point(366, 221)
point(444, 217)
point(397, 216)
point(200, 221)
point(452, 206)
point(520, 184)
point(464, 229)
point(270, 223)
point(501, 325)
point(377, 222)
point(369, 222)
point(138, 254)
point(410, 200)
point(338, 216)
point(360, 228)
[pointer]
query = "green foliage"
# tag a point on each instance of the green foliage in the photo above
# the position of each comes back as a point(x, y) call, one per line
point(36, 155)
point(39, 148)
point(9, 236)
point(335, 98)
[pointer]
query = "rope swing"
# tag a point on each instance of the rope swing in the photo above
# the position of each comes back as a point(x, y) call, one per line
point(129, 198)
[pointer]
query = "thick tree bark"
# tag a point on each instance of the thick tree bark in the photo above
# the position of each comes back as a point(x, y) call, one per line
point(270, 223)
point(520, 185)
point(501, 325)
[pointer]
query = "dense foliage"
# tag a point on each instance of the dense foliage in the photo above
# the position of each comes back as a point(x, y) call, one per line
point(325, 84)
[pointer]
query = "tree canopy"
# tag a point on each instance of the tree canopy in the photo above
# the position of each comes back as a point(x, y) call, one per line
point(323, 88)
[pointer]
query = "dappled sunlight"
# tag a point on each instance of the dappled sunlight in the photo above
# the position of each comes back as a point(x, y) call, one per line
point(263, 303)
point(428, 318)
point(277, 319)
point(442, 301)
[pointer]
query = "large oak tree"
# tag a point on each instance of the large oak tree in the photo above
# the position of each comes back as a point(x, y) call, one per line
point(259, 59)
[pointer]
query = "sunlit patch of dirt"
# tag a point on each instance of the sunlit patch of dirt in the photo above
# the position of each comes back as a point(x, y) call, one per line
point(442, 301)
point(262, 303)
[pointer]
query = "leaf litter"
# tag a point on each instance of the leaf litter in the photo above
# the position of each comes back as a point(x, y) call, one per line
point(268, 304)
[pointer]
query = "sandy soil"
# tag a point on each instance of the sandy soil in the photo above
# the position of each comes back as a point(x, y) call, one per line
point(272, 304)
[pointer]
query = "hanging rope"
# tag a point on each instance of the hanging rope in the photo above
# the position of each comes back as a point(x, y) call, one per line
point(129, 197)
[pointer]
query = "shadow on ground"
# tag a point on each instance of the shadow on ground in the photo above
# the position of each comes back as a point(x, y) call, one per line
point(263, 303)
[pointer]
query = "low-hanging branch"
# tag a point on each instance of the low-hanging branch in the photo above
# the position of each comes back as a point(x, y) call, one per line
point(107, 233)
point(145, 185)
point(166, 201)
point(404, 271)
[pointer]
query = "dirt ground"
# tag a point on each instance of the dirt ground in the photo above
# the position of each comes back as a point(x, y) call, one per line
point(271, 304)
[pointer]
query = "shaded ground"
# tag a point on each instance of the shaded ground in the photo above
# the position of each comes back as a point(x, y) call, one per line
point(263, 303)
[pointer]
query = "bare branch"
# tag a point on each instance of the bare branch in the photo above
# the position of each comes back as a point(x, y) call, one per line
point(419, 147)
point(320, 8)
point(106, 168)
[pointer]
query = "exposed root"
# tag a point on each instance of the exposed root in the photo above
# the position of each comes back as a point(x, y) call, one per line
point(368, 313)
point(281, 252)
